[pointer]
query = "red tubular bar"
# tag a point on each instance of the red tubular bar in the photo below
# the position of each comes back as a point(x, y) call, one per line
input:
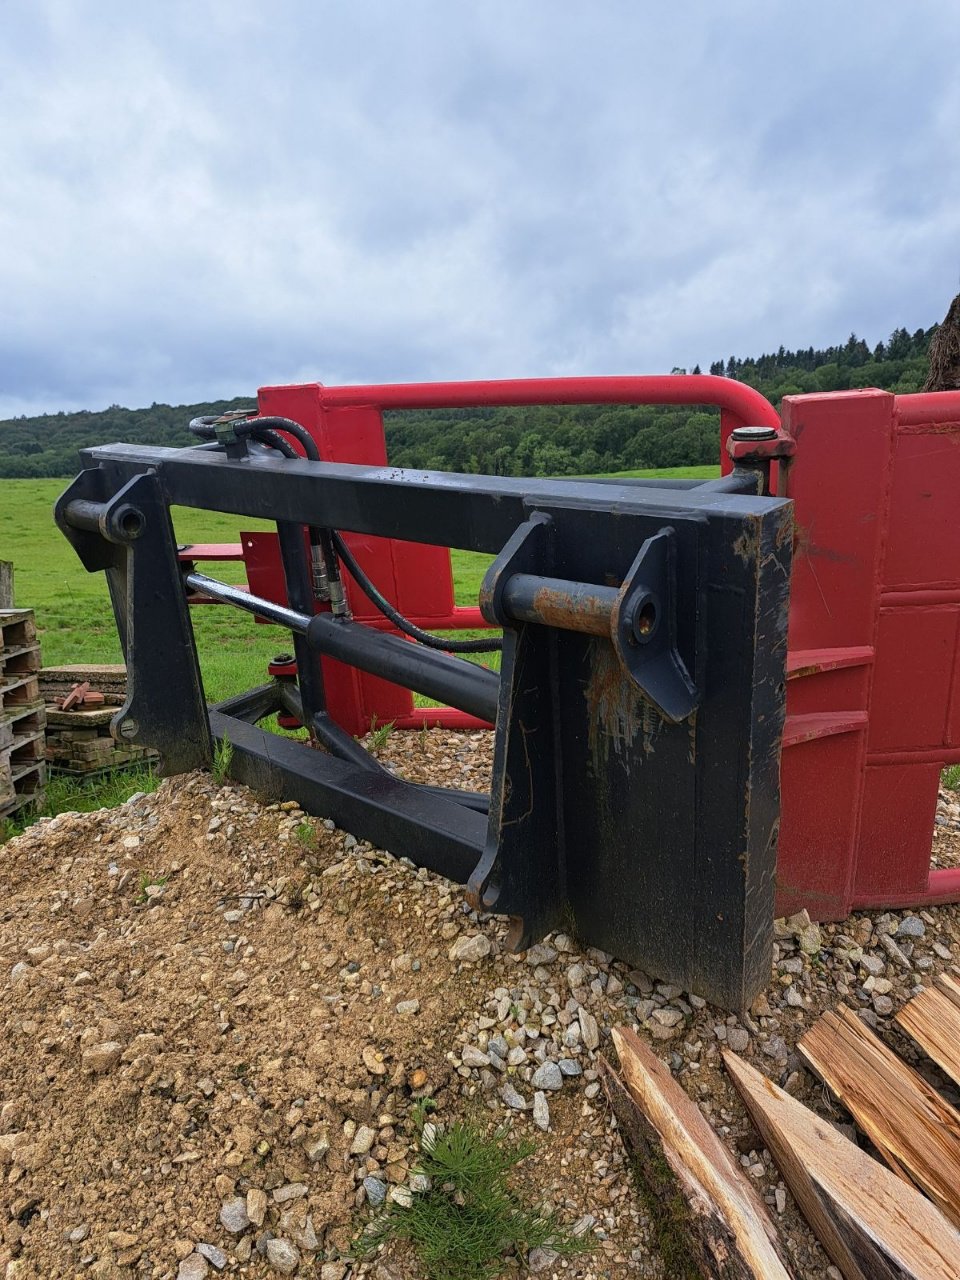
point(744, 404)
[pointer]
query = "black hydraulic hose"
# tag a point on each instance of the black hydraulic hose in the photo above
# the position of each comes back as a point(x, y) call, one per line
point(267, 431)
point(206, 428)
point(396, 617)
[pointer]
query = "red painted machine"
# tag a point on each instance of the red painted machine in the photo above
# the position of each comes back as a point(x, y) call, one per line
point(873, 695)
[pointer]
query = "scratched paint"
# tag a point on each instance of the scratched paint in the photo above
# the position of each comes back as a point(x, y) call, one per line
point(616, 712)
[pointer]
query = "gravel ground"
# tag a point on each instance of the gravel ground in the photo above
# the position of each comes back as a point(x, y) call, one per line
point(216, 1020)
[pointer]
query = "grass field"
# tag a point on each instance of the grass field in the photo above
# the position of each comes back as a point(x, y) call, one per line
point(73, 609)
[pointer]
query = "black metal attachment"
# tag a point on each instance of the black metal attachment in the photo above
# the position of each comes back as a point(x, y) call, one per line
point(639, 707)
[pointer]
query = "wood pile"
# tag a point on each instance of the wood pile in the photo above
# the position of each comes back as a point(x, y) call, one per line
point(81, 701)
point(22, 766)
point(892, 1218)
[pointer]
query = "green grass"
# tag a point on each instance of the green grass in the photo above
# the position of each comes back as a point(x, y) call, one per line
point(66, 794)
point(470, 1216)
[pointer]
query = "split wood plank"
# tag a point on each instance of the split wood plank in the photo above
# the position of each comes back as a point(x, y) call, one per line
point(730, 1232)
point(913, 1128)
point(933, 1020)
point(871, 1224)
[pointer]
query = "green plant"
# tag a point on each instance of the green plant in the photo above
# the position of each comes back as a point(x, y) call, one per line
point(951, 777)
point(222, 759)
point(470, 1217)
point(306, 834)
point(149, 880)
point(379, 736)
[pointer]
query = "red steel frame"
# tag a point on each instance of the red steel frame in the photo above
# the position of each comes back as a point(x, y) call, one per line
point(873, 692)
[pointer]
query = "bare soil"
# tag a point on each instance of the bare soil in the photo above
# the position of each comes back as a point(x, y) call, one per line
point(199, 1006)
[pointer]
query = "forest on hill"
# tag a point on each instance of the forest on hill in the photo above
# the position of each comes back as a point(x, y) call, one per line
point(549, 440)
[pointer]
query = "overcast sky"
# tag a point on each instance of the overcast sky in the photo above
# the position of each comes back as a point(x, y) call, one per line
point(199, 198)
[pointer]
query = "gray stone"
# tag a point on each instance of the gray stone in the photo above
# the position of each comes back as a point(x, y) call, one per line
point(541, 1112)
point(883, 1005)
point(589, 1030)
point(894, 952)
point(407, 1008)
point(541, 1259)
point(376, 1190)
point(570, 1067)
point(470, 947)
point(333, 1271)
point(873, 964)
point(283, 1256)
point(473, 1057)
point(738, 1039)
point(234, 1216)
point(548, 1076)
point(911, 927)
point(540, 954)
point(290, 1191)
point(499, 1046)
point(513, 1099)
point(216, 1257)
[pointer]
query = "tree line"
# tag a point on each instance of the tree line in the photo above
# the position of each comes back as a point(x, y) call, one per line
point(545, 440)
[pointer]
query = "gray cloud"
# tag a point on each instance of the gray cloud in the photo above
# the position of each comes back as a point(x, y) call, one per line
point(199, 198)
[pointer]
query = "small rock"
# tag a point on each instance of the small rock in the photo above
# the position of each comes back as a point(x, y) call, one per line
point(234, 1216)
point(256, 1206)
point(541, 1112)
point(873, 964)
point(883, 1005)
point(738, 1039)
point(810, 939)
point(547, 1076)
point(363, 1140)
point(471, 947)
point(894, 952)
point(333, 1271)
point(316, 1148)
point(407, 1008)
point(911, 927)
point(541, 1259)
point(472, 1057)
point(589, 1030)
point(376, 1191)
point(283, 1256)
point(291, 1191)
point(101, 1057)
point(570, 1067)
point(513, 1099)
point(193, 1268)
point(540, 954)
point(216, 1257)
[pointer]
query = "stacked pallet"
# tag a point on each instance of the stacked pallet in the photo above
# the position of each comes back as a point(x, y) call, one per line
point(79, 741)
point(22, 718)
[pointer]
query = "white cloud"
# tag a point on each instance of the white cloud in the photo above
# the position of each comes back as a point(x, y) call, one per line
point(199, 198)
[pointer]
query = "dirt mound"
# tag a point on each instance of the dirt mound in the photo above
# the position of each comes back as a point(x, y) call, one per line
point(204, 1000)
point(217, 1020)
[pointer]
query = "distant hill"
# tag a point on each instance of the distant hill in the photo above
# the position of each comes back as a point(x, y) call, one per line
point(552, 440)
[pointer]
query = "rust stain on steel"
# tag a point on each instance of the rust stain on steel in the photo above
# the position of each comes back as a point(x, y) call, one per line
point(616, 712)
point(570, 611)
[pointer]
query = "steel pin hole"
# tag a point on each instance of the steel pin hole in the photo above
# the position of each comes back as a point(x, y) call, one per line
point(645, 620)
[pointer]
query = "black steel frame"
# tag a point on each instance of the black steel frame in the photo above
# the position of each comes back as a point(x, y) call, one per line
point(639, 707)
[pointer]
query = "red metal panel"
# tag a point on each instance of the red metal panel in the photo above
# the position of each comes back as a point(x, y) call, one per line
point(916, 656)
point(924, 538)
point(896, 830)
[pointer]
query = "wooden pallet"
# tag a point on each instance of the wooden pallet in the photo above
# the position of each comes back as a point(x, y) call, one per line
point(23, 769)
